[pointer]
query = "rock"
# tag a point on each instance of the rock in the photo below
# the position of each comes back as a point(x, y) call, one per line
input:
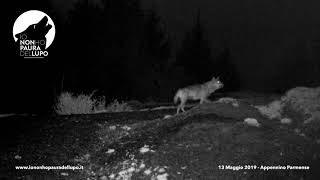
point(252, 122)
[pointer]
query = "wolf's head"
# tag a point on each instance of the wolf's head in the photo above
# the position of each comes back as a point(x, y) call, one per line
point(215, 83)
point(37, 31)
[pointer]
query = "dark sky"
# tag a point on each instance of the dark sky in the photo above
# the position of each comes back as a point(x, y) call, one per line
point(269, 39)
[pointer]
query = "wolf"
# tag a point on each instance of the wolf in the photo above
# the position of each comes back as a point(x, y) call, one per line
point(36, 31)
point(197, 92)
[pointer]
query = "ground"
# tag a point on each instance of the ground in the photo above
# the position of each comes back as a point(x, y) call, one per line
point(209, 141)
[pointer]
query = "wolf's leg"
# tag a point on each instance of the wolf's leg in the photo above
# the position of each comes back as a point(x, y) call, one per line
point(204, 99)
point(179, 106)
point(178, 109)
point(183, 103)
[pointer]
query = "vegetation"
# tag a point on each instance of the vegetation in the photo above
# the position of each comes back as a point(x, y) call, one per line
point(209, 141)
point(70, 103)
point(300, 105)
point(116, 106)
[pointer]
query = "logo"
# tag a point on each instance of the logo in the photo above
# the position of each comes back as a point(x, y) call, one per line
point(33, 32)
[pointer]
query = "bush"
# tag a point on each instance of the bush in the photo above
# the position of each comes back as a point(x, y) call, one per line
point(303, 99)
point(301, 103)
point(272, 110)
point(68, 103)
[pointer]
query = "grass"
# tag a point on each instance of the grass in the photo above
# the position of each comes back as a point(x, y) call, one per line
point(69, 103)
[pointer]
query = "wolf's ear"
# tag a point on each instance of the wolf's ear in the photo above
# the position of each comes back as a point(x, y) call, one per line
point(217, 78)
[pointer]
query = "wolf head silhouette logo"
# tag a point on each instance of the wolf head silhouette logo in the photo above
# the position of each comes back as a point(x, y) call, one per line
point(36, 31)
point(33, 32)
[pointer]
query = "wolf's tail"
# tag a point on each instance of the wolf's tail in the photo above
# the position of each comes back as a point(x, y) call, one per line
point(176, 97)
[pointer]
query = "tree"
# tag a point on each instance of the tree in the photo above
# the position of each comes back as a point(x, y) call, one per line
point(226, 70)
point(195, 54)
point(81, 45)
point(156, 40)
point(118, 48)
point(155, 52)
